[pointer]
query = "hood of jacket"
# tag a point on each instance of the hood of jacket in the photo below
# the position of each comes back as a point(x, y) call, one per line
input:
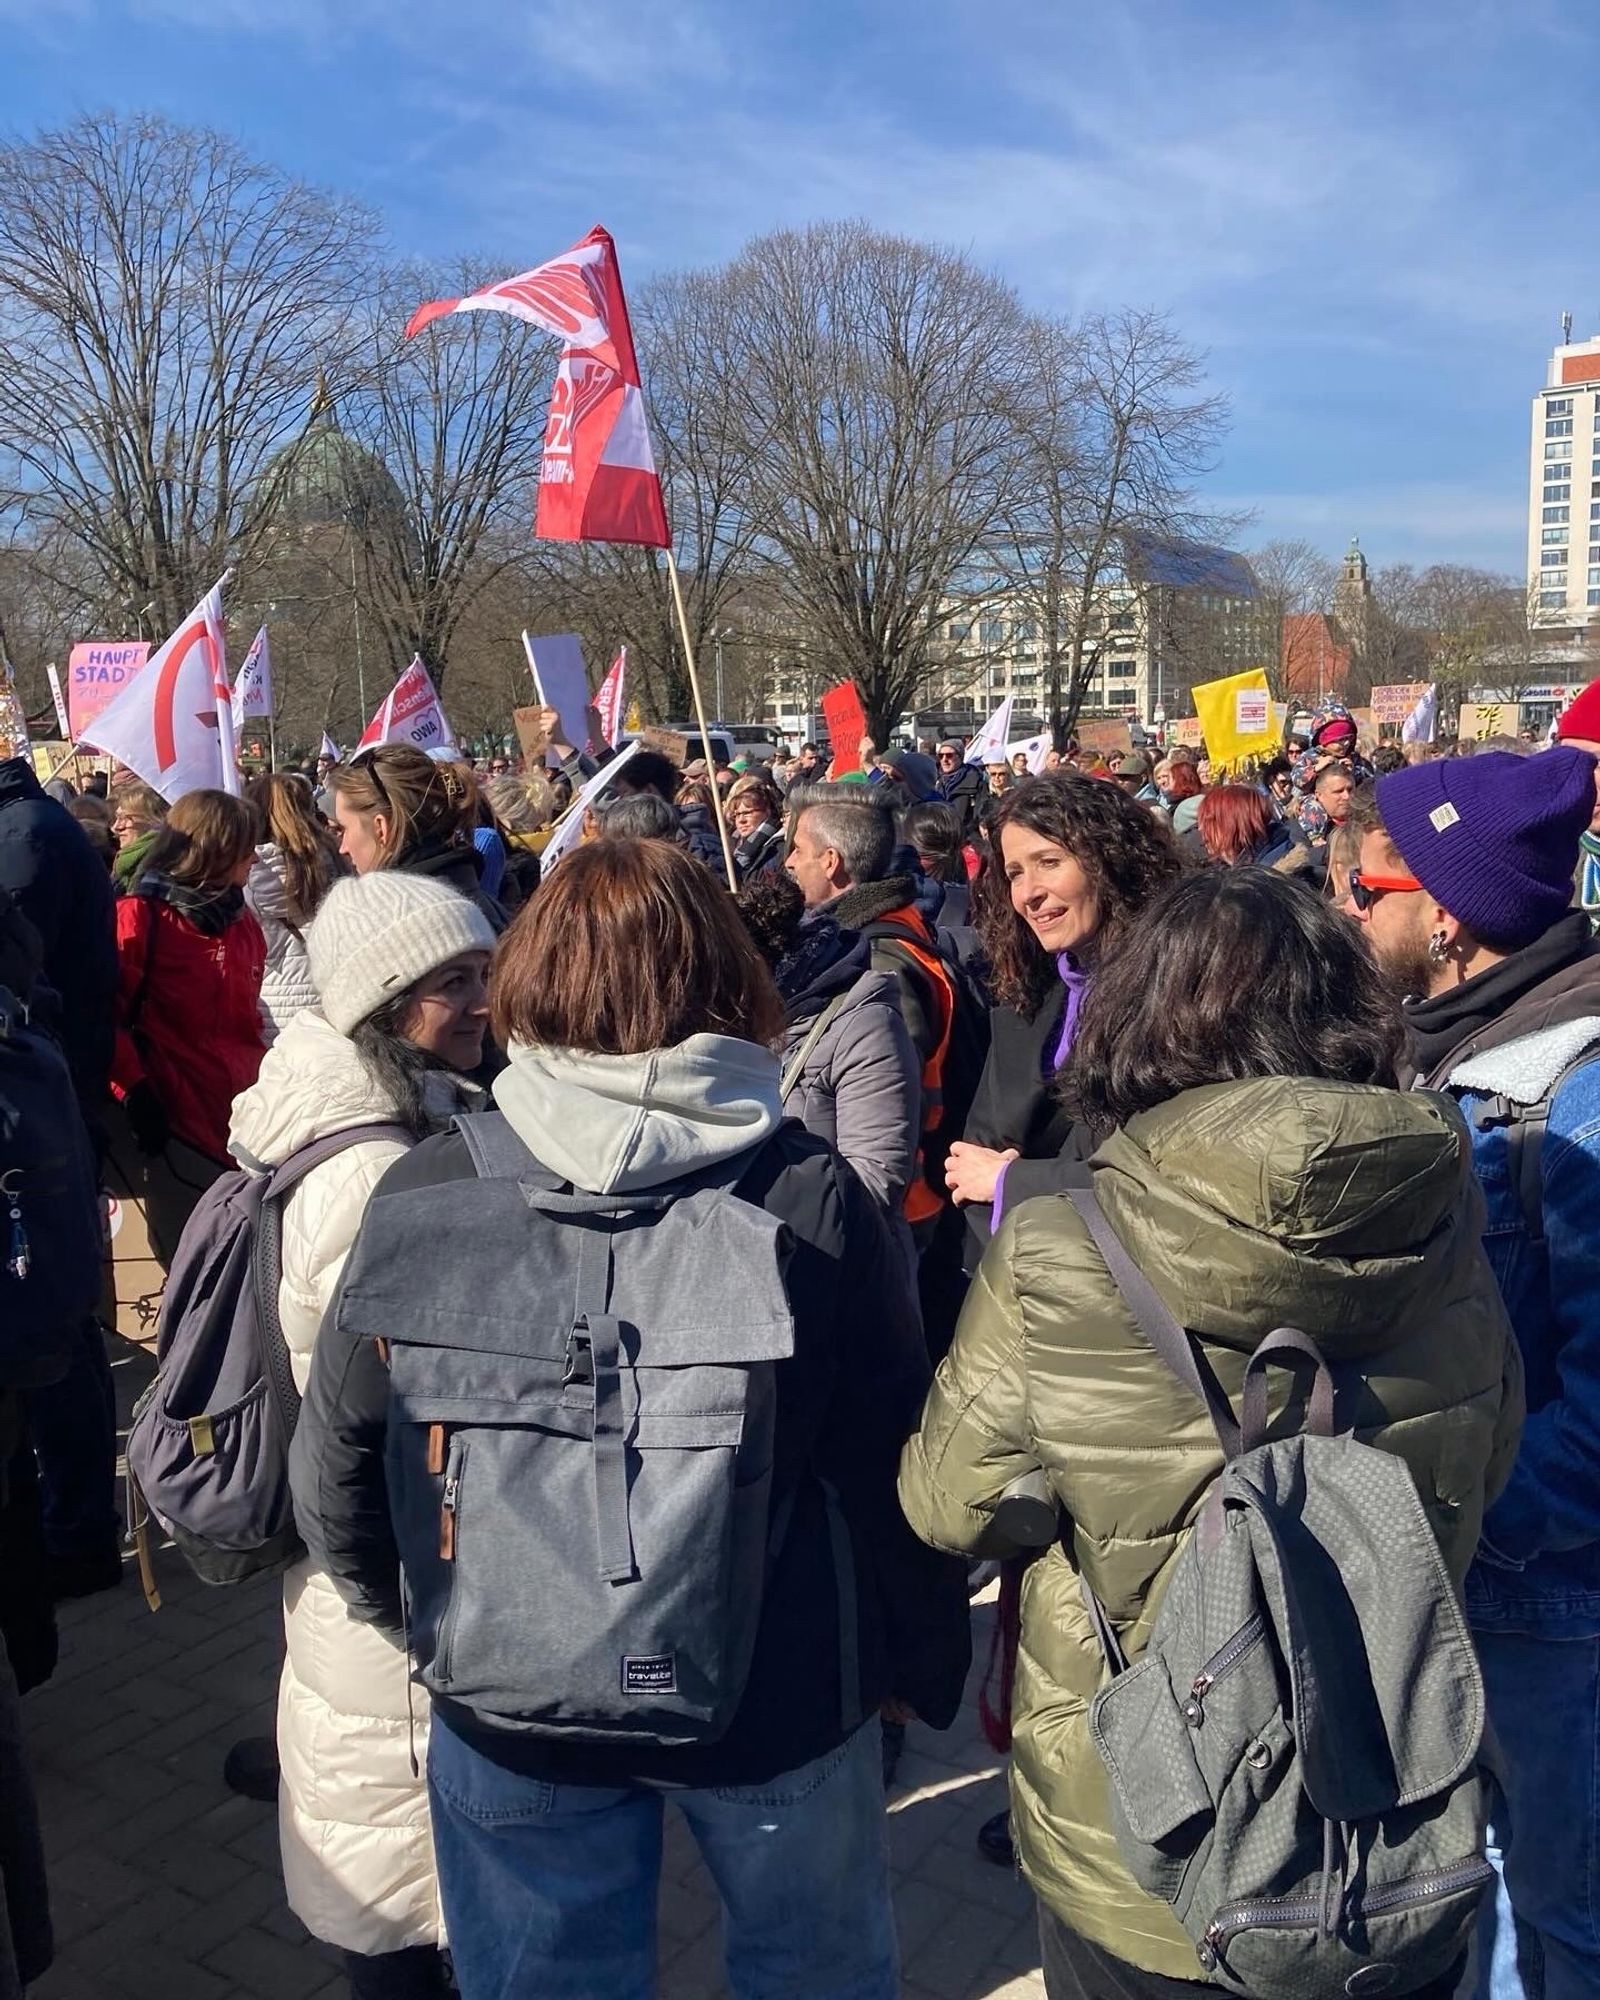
point(865, 902)
point(1549, 984)
point(1285, 1201)
point(314, 1083)
point(615, 1124)
point(18, 780)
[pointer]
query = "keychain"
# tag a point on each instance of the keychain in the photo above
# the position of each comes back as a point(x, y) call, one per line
point(18, 1260)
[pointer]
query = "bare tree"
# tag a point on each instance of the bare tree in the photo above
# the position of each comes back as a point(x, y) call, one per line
point(165, 304)
point(1115, 431)
point(1294, 581)
point(871, 386)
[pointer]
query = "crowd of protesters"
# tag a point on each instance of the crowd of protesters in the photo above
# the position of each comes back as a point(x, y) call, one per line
point(1321, 1039)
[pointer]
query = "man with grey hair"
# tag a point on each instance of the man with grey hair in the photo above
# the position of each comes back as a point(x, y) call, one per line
point(842, 847)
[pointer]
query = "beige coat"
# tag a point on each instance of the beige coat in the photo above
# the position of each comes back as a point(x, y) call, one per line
point(352, 1731)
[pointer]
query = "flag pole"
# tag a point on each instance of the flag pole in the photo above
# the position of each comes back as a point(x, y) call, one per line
point(700, 717)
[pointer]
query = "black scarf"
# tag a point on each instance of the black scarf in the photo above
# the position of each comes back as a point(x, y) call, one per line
point(1439, 1025)
point(209, 910)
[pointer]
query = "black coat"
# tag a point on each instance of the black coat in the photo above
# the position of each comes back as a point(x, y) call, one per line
point(847, 1400)
point(964, 789)
point(459, 868)
point(1017, 1104)
point(64, 891)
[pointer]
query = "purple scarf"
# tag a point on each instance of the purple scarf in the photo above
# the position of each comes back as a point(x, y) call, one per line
point(1077, 984)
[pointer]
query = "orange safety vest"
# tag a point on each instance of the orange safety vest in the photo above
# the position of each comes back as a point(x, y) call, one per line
point(923, 1201)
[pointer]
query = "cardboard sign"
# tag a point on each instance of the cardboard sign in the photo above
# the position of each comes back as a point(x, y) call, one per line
point(1365, 723)
point(847, 724)
point(1187, 730)
point(1107, 739)
point(1394, 701)
point(1482, 719)
point(531, 738)
point(97, 672)
point(668, 742)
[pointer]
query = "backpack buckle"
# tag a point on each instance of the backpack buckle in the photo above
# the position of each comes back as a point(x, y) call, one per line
point(578, 1372)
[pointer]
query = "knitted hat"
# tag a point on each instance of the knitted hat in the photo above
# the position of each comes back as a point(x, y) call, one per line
point(377, 934)
point(1582, 718)
point(1493, 838)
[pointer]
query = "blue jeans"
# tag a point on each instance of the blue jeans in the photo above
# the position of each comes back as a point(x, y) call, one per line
point(551, 1889)
point(1540, 1936)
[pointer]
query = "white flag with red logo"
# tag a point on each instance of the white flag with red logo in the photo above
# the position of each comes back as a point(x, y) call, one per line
point(410, 713)
point(1033, 749)
point(252, 691)
point(598, 481)
point(989, 745)
point(610, 702)
point(173, 722)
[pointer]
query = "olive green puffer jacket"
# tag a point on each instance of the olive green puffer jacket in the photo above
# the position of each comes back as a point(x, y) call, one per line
point(1346, 1210)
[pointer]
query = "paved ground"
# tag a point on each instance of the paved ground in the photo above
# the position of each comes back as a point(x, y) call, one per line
point(166, 1887)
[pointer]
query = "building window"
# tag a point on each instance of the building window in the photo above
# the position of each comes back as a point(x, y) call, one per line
point(1594, 510)
point(961, 633)
point(1558, 493)
point(1552, 600)
point(1121, 621)
point(1558, 406)
point(1562, 450)
point(1123, 697)
point(991, 632)
point(1594, 575)
point(1121, 670)
point(1025, 631)
point(1558, 427)
point(1552, 515)
point(1553, 558)
point(1594, 597)
point(1553, 535)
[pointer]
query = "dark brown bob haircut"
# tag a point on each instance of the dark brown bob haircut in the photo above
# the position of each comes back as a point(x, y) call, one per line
point(629, 946)
point(1228, 975)
point(1127, 851)
point(203, 839)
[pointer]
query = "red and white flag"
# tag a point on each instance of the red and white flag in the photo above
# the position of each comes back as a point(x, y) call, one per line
point(598, 481)
point(173, 722)
point(410, 713)
point(610, 702)
point(252, 691)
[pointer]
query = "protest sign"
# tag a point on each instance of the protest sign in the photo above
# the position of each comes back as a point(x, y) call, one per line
point(97, 672)
point(1106, 739)
point(531, 737)
point(561, 681)
point(569, 828)
point(1188, 730)
point(668, 742)
point(1479, 720)
point(60, 700)
point(1235, 714)
point(847, 724)
point(1395, 700)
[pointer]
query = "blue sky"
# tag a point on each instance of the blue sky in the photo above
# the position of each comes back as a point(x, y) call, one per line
point(1370, 214)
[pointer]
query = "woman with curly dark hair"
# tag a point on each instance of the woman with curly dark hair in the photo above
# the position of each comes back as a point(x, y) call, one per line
point(1074, 860)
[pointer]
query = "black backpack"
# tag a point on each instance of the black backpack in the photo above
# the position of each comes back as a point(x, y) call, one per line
point(52, 1239)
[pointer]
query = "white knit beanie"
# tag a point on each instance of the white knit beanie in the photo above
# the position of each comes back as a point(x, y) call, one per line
point(377, 934)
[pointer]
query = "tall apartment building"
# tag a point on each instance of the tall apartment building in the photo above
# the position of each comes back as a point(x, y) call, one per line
point(1564, 489)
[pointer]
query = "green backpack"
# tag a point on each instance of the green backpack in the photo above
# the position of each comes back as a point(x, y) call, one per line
point(1297, 1761)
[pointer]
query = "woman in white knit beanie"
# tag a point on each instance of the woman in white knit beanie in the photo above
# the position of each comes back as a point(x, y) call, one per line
point(401, 964)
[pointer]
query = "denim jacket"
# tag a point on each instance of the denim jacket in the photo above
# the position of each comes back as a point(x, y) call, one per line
point(1538, 1566)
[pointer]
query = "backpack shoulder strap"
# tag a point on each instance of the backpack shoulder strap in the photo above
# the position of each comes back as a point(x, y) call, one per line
point(495, 1150)
point(1170, 1340)
point(795, 1069)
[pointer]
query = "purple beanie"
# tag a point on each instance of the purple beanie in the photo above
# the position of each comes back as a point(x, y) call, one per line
point(1494, 838)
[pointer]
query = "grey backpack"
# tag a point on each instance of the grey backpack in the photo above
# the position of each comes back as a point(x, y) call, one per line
point(1296, 1761)
point(208, 1446)
point(582, 1403)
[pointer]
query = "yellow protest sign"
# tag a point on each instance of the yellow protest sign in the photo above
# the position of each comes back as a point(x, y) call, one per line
point(1236, 715)
point(1482, 719)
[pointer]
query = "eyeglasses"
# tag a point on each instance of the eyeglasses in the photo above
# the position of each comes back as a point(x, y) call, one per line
point(1366, 889)
point(947, 756)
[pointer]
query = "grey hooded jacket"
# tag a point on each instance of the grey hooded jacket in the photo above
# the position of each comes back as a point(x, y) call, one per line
point(859, 1087)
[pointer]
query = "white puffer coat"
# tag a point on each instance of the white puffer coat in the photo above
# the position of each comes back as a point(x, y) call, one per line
point(286, 985)
point(352, 1814)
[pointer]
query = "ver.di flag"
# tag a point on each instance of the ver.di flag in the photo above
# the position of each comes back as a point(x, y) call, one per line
point(609, 702)
point(989, 745)
point(252, 691)
point(1033, 748)
point(173, 722)
point(410, 713)
point(598, 479)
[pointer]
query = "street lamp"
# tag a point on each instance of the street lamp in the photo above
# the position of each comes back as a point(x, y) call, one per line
point(723, 632)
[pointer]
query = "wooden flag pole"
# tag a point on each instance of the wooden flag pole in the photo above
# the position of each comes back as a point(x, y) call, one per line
point(700, 717)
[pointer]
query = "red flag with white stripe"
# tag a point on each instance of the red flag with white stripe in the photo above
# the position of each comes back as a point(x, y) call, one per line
point(609, 702)
point(598, 480)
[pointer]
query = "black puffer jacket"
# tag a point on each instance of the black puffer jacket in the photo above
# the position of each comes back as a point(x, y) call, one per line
point(65, 893)
point(847, 1399)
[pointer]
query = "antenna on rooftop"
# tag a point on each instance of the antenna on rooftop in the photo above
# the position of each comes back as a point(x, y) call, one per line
point(1566, 329)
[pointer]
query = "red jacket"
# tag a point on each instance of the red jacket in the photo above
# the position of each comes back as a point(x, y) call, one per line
point(188, 1015)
